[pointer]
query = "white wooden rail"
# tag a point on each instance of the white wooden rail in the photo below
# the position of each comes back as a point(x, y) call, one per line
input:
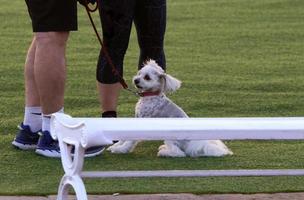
point(86, 132)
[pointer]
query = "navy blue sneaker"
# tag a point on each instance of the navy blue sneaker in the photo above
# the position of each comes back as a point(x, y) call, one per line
point(47, 146)
point(93, 151)
point(26, 139)
point(50, 148)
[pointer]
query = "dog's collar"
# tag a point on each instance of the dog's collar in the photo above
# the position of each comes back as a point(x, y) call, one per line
point(148, 94)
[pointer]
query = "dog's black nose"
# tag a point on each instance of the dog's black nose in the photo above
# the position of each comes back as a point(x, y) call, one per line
point(136, 81)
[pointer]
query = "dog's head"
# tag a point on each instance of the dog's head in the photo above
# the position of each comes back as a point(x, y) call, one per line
point(152, 78)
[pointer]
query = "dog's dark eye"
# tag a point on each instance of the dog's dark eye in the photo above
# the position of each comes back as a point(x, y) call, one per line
point(147, 78)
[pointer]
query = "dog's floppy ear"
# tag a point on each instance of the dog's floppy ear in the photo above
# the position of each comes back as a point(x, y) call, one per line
point(171, 84)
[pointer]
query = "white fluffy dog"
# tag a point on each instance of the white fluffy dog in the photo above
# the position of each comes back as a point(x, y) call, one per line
point(152, 83)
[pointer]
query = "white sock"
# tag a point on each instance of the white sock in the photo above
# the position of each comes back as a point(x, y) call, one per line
point(33, 118)
point(46, 121)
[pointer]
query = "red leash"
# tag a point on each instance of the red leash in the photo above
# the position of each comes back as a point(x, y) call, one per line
point(103, 47)
point(121, 80)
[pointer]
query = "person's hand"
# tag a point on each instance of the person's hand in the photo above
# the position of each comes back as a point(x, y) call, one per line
point(85, 2)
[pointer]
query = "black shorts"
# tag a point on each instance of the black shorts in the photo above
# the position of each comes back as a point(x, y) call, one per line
point(53, 15)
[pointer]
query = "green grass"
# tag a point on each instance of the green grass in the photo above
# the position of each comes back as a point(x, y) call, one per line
point(235, 58)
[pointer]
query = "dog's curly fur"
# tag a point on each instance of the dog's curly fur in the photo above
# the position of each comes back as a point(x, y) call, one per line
point(152, 78)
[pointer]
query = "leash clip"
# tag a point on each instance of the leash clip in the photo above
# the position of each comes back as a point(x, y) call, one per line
point(133, 92)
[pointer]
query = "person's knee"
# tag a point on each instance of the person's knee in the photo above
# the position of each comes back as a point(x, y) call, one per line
point(155, 53)
point(151, 47)
point(152, 52)
point(51, 38)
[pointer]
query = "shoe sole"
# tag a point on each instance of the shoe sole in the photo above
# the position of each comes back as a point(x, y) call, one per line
point(52, 154)
point(48, 153)
point(26, 147)
point(94, 154)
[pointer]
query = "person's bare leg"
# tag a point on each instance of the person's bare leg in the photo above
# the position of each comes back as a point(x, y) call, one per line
point(32, 110)
point(31, 92)
point(108, 96)
point(50, 75)
point(27, 137)
point(50, 69)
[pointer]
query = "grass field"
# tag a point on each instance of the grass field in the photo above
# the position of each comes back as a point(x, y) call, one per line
point(236, 58)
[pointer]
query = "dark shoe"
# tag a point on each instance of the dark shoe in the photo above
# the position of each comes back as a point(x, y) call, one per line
point(110, 114)
point(50, 148)
point(93, 151)
point(26, 139)
point(47, 146)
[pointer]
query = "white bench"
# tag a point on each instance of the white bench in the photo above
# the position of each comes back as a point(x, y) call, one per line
point(86, 132)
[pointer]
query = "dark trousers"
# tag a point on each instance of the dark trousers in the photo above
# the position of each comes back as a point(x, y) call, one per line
point(149, 17)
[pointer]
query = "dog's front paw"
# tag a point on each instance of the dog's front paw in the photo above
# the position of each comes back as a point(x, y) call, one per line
point(165, 151)
point(122, 147)
point(119, 143)
point(162, 147)
point(118, 149)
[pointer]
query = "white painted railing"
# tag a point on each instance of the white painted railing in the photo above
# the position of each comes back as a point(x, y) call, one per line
point(86, 132)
